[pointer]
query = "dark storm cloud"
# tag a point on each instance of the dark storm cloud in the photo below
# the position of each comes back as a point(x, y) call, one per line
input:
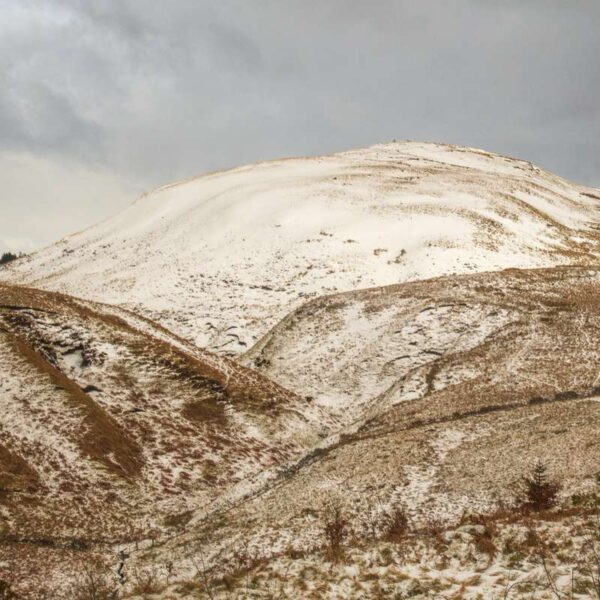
point(156, 91)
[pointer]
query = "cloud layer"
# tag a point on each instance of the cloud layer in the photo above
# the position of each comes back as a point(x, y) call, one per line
point(104, 99)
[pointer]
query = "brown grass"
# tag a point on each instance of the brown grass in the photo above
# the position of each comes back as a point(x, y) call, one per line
point(15, 473)
point(102, 435)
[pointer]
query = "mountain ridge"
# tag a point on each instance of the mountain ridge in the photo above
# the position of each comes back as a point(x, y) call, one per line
point(237, 250)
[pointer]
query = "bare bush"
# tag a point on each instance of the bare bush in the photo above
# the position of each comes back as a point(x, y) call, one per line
point(146, 581)
point(369, 520)
point(396, 525)
point(584, 580)
point(335, 527)
point(589, 563)
point(203, 573)
point(94, 583)
point(484, 542)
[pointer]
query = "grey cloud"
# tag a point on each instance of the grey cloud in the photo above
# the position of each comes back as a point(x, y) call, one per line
point(156, 91)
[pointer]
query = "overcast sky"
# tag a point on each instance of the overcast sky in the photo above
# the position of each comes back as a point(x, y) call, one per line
point(102, 100)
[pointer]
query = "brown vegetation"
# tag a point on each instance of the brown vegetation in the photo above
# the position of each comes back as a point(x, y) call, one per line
point(335, 529)
point(103, 439)
point(541, 493)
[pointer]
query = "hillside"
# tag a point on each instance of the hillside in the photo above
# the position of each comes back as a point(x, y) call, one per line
point(448, 390)
point(413, 325)
point(113, 429)
point(359, 353)
point(222, 258)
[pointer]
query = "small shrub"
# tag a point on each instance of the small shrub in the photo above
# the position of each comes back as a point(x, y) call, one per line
point(146, 581)
point(370, 522)
point(484, 542)
point(541, 493)
point(432, 527)
point(335, 529)
point(586, 500)
point(178, 519)
point(396, 525)
point(94, 583)
point(532, 539)
point(295, 553)
point(387, 556)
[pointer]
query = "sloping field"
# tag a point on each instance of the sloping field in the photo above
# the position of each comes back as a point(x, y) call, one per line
point(112, 429)
point(449, 431)
point(363, 354)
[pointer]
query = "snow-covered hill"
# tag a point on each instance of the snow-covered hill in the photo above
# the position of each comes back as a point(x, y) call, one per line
point(222, 258)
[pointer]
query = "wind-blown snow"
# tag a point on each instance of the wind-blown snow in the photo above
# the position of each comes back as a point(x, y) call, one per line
point(220, 259)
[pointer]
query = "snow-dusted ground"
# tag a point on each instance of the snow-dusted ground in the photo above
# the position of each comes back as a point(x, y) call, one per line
point(433, 396)
point(496, 557)
point(513, 378)
point(113, 429)
point(357, 355)
point(276, 541)
point(222, 258)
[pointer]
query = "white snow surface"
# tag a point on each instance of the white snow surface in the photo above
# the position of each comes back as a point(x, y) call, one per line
point(222, 258)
